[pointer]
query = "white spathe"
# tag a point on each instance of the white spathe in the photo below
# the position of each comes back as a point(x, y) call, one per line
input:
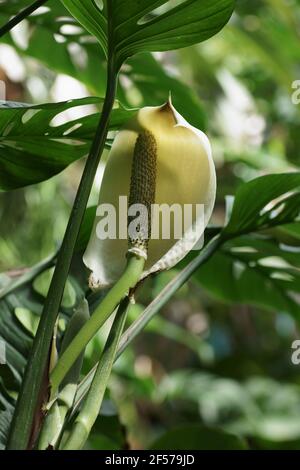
point(185, 175)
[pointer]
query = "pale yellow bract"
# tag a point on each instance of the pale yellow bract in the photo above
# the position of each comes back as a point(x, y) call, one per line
point(185, 175)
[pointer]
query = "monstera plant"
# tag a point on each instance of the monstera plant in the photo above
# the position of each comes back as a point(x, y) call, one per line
point(157, 154)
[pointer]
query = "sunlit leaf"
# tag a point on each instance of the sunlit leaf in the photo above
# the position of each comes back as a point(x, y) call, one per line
point(265, 202)
point(126, 28)
point(255, 271)
point(33, 147)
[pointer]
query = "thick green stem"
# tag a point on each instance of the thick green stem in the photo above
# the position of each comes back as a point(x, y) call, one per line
point(91, 408)
point(127, 281)
point(29, 396)
point(166, 294)
point(21, 16)
point(153, 308)
point(54, 422)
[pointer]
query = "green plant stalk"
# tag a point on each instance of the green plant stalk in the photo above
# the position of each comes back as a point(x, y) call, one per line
point(127, 281)
point(66, 403)
point(52, 428)
point(91, 407)
point(55, 419)
point(152, 309)
point(27, 403)
point(21, 16)
point(168, 291)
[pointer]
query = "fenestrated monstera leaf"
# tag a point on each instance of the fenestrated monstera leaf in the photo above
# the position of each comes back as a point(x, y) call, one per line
point(125, 28)
point(21, 161)
point(259, 269)
point(255, 270)
point(33, 148)
point(21, 303)
point(56, 39)
point(266, 201)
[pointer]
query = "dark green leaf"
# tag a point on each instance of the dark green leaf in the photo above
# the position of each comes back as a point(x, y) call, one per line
point(33, 148)
point(16, 333)
point(255, 271)
point(126, 28)
point(6, 411)
point(80, 56)
point(265, 202)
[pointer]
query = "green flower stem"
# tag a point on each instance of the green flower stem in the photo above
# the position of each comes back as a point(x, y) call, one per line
point(21, 16)
point(30, 395)
point(152, 309)
point(127, 281)
point(168, 291)
point(91, 407)
point(52, 428)
point(55, 419)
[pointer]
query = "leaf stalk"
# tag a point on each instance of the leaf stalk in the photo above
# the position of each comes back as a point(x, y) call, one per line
point(29, 397)
point(21, 16)
point(127, 281)
point(92, 405)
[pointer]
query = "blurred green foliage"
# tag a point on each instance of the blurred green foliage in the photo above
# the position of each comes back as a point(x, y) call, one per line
point(208, 360)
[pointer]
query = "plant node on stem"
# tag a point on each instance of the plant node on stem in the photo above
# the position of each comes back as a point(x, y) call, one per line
point(127, 281)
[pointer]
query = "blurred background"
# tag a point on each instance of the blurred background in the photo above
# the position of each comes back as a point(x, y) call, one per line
point(210, 357)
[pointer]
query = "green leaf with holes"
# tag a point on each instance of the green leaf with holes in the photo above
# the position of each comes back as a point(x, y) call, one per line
point(261, 268)
point(267, 201)
point(57, 40)
point(125, 28)
point(35, 147)
point(21, 304)
point(255, 270)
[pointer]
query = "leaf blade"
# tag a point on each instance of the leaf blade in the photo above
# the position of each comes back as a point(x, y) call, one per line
point(121, 31)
